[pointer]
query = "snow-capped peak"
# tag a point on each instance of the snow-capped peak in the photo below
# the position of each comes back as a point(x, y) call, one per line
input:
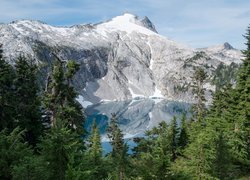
point(128, 23)
point(227, 46)
point(125, 18)
point(221, 47)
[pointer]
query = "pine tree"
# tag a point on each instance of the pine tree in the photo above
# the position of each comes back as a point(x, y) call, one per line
point(12, 151)
point(27, 99)
point(201, 154)
point(231, 106)
point(155, 153)
point(199, 109)
point(94, 154)
point(7, 95)
point(62, 148)
point(60, 97)
point(183, 137)
point(173, 137)
point(31, 166)
point(95, 148)
point(243, 103)
point(222, 163)
point(119, 148)
point(221, 102)
point(59, 148)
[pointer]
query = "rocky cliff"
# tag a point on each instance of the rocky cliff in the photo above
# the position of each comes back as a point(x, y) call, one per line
point(125, 66)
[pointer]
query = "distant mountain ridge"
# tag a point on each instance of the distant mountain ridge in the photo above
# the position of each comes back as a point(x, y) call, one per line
point(123, 60)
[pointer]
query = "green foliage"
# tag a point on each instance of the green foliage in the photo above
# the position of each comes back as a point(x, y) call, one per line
point(27, 99)
point(119, 156)
point(222, 163)
point(60, 97)
point(183, 137)
point(196, 57)
point(7, 95)
point(201, 154)
point(96, 164)
point(173, 138)
point(95, 148)
point(199, 79)
point(181, 88)
point(13, 151)
point(155, 152)
point(224, 75)
point(30, 167)
point(59, 148)
point(214, 146)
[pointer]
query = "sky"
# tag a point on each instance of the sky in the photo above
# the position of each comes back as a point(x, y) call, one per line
point(197, 23)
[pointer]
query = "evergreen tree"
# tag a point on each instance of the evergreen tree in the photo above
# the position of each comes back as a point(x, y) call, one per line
point(60, 97)
point(183, 137)
point(30, 167)
point(119, 148)
point(153, 160)
point(173, 138)
point(231, 105)
point(95, 148)
point(7, 95)
point(62, 147)
point(221, 102)
point(94, 155)
point(27, 99)
point(243, 102)
point(12, 151)
point(59, 150)
point(201, 154)
point(222, 164)
point(199, 79)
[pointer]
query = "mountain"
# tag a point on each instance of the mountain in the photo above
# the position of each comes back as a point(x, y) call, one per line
point(125, 66)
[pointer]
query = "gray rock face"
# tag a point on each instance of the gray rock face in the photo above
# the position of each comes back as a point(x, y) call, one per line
point(120, 60)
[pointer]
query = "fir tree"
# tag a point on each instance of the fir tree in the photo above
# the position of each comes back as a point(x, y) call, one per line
point(153, 160)
point(173, 137)
point(243, 94)
point(27, 99)
point(12, 151)
point(201, 154)
point(119, 148)
point(7, 95)
point(31, 166)
point(199, 79)
point(222, 163)
point(183, 137)
point(95, 148)
point(60, 97)
point(94, 155)
point(231, 105)
point(59, 150)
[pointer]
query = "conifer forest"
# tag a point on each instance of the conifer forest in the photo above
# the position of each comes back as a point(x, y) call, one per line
point(42, 135)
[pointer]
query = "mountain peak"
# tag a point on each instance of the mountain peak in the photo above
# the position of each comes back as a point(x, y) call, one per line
point(125, 18)
point(145, 22)
point(129, 23)
point(227, 46)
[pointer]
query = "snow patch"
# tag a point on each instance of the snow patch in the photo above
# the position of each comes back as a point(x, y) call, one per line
point(126, 136)
point(151, 60)
point(20, 30)
point(150, 115)
point(157, 93)
point(126, 22)
point(157, 100)
point(84, 104)
point(134, 95)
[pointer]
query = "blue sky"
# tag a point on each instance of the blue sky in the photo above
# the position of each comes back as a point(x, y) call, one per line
point(198, 23)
